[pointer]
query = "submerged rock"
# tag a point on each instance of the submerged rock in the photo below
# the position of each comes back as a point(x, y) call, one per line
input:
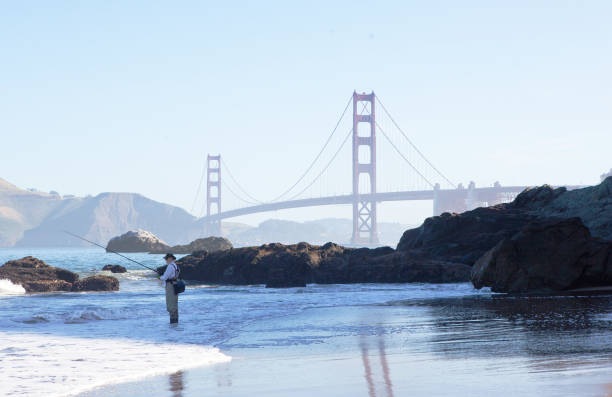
point(210, 244)
point(136, 241)
point(546, 255)
point(96, 283)
point(115, 268)
point(35, 275)
point(47, 286)
point(278, 265)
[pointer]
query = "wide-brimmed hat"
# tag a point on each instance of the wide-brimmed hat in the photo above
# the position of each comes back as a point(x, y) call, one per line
point(169, 255)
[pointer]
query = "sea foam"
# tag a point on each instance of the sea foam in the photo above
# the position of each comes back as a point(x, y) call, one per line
point(8, 288)
point(41, 364)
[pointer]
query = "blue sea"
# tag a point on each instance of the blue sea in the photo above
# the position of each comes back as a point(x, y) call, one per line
point(327, 340)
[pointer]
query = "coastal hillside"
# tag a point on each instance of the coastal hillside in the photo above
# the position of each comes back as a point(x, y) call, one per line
point(29, 218)
point(22, 209)
point(36, 219)
point(106, 215)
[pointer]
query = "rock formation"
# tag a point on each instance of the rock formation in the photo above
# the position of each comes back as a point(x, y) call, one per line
point(210, 244)
point(115, 268)
point(545, 240)
point(278, 265)
point(462, 237)
point(35, 275)
point(136, 241)
point(546, 255)
point(96, 283)
point(465, 237)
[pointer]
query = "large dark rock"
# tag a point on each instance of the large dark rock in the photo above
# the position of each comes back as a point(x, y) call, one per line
point(462, 237)
point(137, 241)
point(35, 275)
point(210, 244)
point(96, 283)
point(278, 265)
point(593, 205)
point(467, 236)
point(115, 268)
point(546, 255)
point(46, 286)
point(537, 198)
point(287, 269)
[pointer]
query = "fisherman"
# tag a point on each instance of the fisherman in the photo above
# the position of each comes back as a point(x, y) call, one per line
point(168, 280)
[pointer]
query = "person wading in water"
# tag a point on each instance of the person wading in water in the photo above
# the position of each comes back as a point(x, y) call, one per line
point(168, 279)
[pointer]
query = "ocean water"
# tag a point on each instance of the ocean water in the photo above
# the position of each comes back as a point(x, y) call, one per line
point(331, 340)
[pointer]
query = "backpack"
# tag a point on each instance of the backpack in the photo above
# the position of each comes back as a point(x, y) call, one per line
point(179, 284)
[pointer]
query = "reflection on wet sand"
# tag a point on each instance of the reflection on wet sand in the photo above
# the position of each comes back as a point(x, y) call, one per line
point(223, 375)
point(608, 390)
point(385, 366)
point(363, 345)
point(553, 333)
point(176, 384)
point(367, 368)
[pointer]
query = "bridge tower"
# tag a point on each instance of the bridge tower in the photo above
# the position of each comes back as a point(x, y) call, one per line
point(364, 208)
point(213, 194)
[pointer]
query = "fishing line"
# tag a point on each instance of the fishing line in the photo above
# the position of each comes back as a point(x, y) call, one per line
point(107, 250)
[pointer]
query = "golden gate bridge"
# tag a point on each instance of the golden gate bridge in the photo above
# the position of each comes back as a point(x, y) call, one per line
point(425, 181)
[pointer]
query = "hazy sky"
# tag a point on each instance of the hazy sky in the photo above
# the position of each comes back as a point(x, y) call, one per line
point(130, 95)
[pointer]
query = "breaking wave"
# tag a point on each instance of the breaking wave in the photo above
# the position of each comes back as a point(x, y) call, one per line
point(8, 288)
point(77, 316)
point(61, 365)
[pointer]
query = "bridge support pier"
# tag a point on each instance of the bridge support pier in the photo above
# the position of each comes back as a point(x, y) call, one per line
point(494, 196)
point(213, 194)
point(460, 199)
point(364, 211)
point(450, 200)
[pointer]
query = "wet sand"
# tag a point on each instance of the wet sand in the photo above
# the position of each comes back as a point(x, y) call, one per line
point(472, 346)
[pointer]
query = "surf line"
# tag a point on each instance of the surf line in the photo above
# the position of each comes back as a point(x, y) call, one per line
point(114, 252)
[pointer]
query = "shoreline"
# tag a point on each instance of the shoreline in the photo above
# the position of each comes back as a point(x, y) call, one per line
point(331, 340)
point(390, 350)
point(108, 361)
point(368, 373)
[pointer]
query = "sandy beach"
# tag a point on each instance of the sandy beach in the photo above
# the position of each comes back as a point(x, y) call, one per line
point(400, 349)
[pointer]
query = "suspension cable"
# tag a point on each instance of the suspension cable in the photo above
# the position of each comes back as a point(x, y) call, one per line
point(326, 167)
point(236, 195)
point(330, 161)
point(238, 184)
point(402, 155)
point(413, 145)
point(195, 199)
point(318, 155)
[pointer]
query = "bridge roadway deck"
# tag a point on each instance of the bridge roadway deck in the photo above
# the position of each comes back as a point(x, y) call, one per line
point(348, 199)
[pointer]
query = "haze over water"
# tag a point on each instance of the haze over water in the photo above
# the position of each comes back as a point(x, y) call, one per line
point(332, 340)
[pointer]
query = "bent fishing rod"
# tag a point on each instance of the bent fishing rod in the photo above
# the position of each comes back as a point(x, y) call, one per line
point(107, 250)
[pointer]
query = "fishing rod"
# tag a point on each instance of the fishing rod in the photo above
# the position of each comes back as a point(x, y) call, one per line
point(107, 250)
